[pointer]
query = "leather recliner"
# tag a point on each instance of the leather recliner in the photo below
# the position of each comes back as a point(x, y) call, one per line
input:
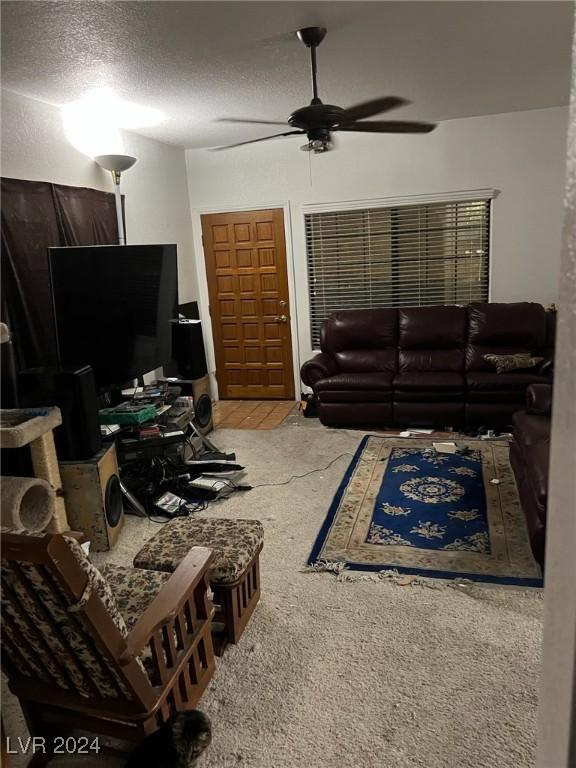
point(425, 366)
point(529, 457)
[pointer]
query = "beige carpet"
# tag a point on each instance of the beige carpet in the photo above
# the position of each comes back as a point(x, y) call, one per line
point(371, 675)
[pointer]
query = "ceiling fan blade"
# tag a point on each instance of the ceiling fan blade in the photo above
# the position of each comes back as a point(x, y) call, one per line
point(254, 141)
point(374, 107)
point(250, 121)
point(387, 126)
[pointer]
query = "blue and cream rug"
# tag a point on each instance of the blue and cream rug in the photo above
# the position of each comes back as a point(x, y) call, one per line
point(403, 506)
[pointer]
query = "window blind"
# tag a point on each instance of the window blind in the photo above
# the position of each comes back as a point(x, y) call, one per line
point(409, 255)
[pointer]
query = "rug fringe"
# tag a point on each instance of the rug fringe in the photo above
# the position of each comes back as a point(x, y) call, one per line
point(344, 574)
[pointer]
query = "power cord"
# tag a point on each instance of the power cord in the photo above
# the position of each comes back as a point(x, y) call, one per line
point(221, 484)
point(293, 477)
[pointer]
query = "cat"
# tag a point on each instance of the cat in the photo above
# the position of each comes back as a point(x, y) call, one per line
point(176, 744)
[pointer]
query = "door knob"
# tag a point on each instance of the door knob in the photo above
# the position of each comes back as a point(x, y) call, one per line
point(281, 319)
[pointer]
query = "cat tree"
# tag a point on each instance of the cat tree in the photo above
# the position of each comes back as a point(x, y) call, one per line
point(32, 503)
point(37, 503)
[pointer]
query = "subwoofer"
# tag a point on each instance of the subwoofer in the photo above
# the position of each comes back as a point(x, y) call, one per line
point(93, 498)
point(202, 405)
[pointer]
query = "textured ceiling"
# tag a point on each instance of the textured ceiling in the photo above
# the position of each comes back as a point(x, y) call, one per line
point(200, 61)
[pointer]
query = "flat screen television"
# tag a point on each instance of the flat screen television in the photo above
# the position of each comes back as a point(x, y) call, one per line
point(113, 305)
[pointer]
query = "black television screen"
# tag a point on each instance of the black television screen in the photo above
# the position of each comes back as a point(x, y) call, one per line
point(113, 305)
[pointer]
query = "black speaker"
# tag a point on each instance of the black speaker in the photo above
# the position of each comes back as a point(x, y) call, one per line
point(188, 349)
point(79, 436)
point(189, 310)
point(74, 392)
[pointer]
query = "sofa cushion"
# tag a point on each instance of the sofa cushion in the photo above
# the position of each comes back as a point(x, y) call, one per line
point(432, 327)
point(503, 329)
point(491, 381)
point(355, 381)
point(431, 360)
point(431, 338)
point(362, 339)
point(523, 324)
point(360, 329)
point(427, 381)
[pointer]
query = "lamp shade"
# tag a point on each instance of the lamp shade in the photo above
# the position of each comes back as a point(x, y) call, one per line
point(117, 163)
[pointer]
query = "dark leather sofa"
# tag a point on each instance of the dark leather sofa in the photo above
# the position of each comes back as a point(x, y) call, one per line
point(425, 366)
point(529, 456)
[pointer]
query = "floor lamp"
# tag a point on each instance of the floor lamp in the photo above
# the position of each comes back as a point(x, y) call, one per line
point(116, 164)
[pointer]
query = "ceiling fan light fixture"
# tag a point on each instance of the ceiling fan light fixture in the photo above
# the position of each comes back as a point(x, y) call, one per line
point(318, 146)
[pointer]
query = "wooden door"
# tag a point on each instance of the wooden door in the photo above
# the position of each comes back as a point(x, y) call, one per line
point(245, 257)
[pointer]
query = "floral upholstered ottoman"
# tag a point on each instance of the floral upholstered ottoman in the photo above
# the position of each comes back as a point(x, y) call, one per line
point(234, 573)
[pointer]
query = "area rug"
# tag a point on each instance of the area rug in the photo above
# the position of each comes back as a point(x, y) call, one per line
point(404, 506)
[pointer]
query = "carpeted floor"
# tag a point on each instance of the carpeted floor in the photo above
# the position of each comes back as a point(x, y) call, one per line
point(372, 675)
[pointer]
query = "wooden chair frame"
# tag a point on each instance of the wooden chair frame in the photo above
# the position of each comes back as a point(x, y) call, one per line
point(235, 604)
point(175, 627)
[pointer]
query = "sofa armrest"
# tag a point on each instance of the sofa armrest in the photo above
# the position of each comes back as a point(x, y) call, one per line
point(539, 399)
point(319, 367)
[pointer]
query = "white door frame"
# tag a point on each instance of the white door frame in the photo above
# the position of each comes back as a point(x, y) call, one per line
point(204, 296)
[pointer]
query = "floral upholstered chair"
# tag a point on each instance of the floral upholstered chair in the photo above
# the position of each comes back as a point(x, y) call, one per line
point(115, 652)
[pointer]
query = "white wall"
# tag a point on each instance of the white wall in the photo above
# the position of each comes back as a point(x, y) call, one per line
point(521, 154)
point(157, 207)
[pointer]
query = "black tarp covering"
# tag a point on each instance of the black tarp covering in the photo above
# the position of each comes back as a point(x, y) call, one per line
point(35, 216)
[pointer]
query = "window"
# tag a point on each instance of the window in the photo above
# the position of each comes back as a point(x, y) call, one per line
point(406, 255)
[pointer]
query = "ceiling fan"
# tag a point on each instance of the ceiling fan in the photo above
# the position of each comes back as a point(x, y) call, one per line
point(318, 121)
